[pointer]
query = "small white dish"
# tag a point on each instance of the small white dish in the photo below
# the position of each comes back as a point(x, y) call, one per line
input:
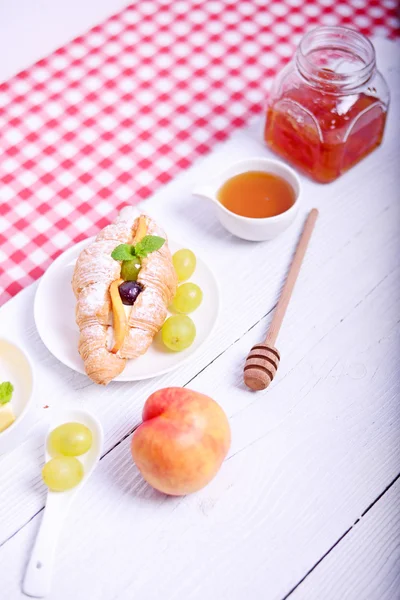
point(37, 581)
point(16, 367)
point(54, 313)
point(247, 228)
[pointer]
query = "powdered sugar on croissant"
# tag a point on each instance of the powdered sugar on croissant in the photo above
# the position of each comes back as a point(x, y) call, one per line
point(94, 272)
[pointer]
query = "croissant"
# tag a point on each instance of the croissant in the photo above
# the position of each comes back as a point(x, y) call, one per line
point(94, 273)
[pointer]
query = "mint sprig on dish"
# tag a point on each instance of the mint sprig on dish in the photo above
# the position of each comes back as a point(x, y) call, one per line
point(123, 252)
point(6, 392)
point(150, 243)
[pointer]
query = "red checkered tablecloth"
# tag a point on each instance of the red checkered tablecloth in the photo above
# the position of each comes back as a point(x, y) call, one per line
point(121, 110)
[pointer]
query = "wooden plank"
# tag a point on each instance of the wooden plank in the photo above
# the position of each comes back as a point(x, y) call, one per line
point(366, 563)
point(306, 461)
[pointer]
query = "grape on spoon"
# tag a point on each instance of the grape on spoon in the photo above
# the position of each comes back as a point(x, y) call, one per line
point(62, 473)
point(70, 439)
point(37, 580)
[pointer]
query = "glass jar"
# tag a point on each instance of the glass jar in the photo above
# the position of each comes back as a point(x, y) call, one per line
point(327, 109)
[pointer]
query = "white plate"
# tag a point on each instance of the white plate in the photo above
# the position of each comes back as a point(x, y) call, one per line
point(54, 313)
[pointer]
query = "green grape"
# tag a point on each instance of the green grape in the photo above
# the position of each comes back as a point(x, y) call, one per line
point(188, 297)
point(70, 439)
point(184, 262)
point(130, 269)
point(178, 332)
point(62, 473)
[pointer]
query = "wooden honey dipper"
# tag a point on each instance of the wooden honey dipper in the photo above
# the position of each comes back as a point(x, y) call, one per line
point(263, 359)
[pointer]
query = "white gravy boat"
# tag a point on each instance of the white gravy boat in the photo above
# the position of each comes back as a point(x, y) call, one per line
point(248, 228)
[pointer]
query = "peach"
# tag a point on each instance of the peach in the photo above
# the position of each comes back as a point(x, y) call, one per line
point(182, 441)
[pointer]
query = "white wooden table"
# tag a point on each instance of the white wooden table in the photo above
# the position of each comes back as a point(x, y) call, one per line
point(306, 505)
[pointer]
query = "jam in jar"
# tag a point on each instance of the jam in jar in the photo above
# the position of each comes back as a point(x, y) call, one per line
point(327, 109)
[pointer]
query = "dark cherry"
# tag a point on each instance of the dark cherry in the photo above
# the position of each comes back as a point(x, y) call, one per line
point(129, 291)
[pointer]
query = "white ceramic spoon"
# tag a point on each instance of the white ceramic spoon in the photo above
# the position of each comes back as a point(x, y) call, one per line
point(38, 574)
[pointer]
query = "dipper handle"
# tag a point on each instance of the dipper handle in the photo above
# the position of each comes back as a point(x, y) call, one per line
point(291, 278)
point(263, 360)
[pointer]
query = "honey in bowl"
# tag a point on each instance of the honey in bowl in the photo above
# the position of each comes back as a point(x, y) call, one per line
point(256, 194)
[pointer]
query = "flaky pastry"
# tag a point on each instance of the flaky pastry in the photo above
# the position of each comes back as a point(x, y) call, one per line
point(95, 271)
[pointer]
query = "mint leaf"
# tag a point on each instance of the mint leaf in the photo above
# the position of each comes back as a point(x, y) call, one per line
point(6, 390)
point(123, 252)
point(150, 243)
